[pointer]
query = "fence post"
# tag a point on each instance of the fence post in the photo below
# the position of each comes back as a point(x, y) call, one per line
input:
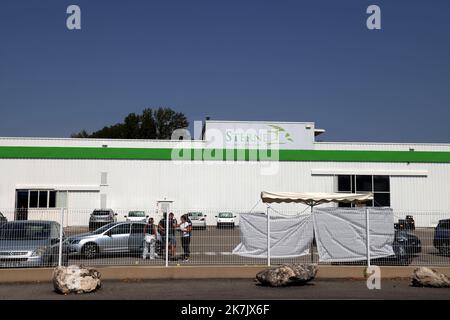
point(368, 236)
point(61, 227)
point(268, 237)
point(312, 242)
point(167, 239)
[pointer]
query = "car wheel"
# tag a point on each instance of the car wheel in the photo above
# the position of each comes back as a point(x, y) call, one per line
point(444, 249)
point(90, 250)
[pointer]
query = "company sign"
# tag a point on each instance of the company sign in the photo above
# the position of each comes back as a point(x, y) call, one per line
point(259, 135)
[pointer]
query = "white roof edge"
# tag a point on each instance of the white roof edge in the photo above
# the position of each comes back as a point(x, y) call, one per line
point(95, 139)
point(384, 143)
point(260, 121)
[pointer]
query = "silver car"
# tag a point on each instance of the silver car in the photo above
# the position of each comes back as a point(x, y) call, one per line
point(198, 220)
point(101, 217)
point(113, 238)
point(30, 243)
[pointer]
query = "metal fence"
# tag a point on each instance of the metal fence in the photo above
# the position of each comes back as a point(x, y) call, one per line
point(28, 240)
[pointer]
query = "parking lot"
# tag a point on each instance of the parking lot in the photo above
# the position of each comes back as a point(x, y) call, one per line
point(214, 247)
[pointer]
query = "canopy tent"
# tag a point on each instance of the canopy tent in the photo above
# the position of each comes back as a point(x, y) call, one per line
point(313, 198)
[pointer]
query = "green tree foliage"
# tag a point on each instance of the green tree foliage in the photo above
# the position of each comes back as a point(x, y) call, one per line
point(151, 124)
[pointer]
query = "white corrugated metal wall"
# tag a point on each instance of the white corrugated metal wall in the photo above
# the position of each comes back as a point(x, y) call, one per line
point(213, 186)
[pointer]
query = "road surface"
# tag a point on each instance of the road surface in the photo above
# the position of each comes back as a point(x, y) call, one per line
point(228, 290)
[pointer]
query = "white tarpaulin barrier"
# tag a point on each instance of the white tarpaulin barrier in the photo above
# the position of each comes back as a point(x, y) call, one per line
point(341, 234)
point(290, 236)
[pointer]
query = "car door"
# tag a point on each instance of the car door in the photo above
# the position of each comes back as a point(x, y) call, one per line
point(136, 240)
point(117, 238)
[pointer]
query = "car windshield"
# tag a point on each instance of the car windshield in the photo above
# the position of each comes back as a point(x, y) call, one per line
point(225, 215)
point(25, 231)
point(102, 229)
point(100, 213)
point(136, 214)
point(195, 214)
point(444, 224)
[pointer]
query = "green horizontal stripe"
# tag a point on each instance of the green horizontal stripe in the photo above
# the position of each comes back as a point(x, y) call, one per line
point(221, 154)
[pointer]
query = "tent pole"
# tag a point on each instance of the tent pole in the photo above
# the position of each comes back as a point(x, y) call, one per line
point(312, 242)
point(268, 237)
point(368, 236)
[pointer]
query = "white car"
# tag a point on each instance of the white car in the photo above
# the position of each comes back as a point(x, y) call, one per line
point(225, 219)
point(136, 216)
point(198, 220)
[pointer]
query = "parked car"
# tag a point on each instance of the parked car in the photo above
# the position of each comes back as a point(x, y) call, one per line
point(442, 237)
point(225, 219)
point(198, 220)
point(116, 237)
point(2, 219)
point(30, 244)
point(405, 246)
point(136, 216)
point(101, 217)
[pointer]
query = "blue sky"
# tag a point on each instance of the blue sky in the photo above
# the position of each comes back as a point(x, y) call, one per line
point(287, 60)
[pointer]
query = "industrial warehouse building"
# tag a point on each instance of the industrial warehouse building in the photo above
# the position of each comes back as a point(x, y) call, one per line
point(224, 169)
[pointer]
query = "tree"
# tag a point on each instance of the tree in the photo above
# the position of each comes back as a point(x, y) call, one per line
point(151, 124)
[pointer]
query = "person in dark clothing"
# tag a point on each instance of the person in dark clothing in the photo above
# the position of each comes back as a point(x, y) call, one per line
point(170, 234)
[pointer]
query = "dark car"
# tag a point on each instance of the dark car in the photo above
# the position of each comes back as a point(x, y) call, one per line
point(405, 246)
point(2, 219)
point(442, 237)
point(101, 217)
point(30, 243)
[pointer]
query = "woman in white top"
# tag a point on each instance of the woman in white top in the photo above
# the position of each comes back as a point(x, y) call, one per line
point(185, 228)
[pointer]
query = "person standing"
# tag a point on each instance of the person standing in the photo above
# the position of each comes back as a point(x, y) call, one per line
point(185, 228)
point(171, 235)
point(149, 240)
point(168, 235)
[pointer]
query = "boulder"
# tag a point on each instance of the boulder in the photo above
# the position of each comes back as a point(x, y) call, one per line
point(287, 274)
point(76, 279)
point(426, 277)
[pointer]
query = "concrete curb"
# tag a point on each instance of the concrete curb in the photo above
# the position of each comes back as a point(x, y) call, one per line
point(204, 272)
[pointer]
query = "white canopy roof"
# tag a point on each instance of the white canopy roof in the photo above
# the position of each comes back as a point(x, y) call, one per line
point(313, 198)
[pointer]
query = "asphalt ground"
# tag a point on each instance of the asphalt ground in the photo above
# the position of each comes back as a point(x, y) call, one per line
point(214, 247)
point(227, 289)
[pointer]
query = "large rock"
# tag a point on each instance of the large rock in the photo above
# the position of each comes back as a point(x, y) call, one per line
point(426, 277)
point(76, 279)
point(287, 274)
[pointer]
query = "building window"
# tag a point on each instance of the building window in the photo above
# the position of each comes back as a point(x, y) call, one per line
point(378, 185)
point(52, 199)
point(37, 199)
point(34, 197)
